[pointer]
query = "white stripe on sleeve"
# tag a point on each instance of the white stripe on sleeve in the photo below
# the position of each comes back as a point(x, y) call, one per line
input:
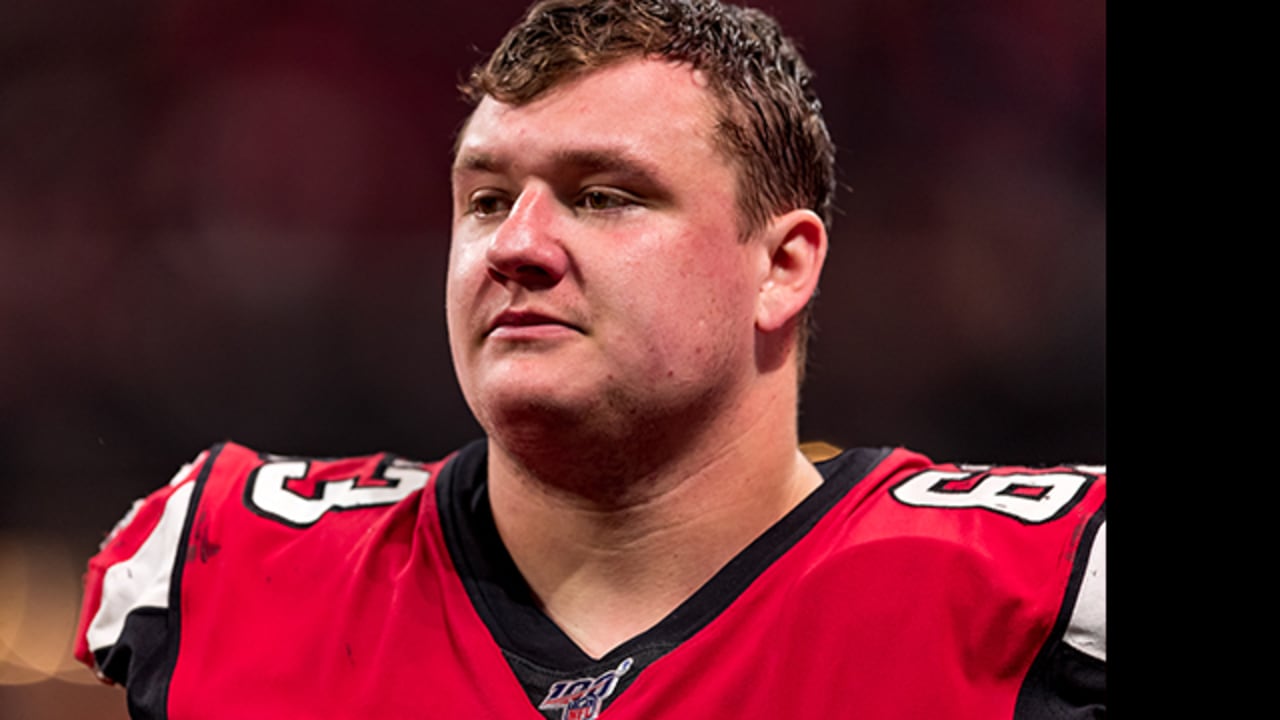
point(1087, 631)
point(142, 580)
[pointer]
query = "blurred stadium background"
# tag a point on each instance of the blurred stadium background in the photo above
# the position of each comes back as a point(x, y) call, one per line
point(229, 220)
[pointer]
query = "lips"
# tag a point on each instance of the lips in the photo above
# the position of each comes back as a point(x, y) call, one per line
point(515, 319)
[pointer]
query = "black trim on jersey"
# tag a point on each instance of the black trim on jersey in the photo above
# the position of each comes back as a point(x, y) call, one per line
point(538, 652)
point(147, 689)
point(143, 655)
point(1064, 683)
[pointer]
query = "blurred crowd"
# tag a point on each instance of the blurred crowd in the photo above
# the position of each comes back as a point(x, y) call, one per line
point(230, 220)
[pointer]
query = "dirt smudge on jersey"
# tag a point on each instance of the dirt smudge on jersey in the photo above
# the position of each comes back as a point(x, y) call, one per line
point(202, 547)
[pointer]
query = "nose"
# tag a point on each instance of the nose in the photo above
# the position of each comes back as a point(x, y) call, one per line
point(526, 247)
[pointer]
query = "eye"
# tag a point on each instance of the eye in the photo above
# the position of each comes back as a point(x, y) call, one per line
point(485, 203)
point(598, 200)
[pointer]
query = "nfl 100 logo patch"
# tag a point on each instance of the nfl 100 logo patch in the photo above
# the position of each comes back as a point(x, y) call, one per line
point(583, 698)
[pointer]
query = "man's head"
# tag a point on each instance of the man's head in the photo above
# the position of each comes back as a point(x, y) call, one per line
point(625, 259)
point(769, 120)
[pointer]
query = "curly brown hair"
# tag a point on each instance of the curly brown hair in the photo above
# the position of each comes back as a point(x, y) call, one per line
point(769, 117)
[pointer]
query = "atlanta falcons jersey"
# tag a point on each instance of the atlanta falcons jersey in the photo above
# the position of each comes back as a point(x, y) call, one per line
point(262, 586)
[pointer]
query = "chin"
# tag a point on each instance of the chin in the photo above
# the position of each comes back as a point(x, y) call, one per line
point(525, 404)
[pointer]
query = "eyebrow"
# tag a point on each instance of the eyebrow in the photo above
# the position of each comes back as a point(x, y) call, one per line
point(478, 162)
point(582, 161)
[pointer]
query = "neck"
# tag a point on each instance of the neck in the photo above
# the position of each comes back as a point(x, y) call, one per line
point(610, 556)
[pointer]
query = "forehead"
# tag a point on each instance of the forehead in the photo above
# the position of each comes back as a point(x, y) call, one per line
point(651, 111)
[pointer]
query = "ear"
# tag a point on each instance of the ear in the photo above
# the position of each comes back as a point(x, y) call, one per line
point(796, 245)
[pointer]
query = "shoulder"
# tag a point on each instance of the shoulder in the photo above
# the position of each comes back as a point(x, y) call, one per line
point(1025, 494)
point(237, 504)
point(299, 492)
point(1029, 535)
point(1025, 524)
point(1020, 551)
point(907, 492)
point(238, 498)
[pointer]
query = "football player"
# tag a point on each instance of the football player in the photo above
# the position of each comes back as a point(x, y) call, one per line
point(641, 197)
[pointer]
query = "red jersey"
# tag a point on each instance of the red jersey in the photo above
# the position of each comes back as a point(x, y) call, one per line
point(260, 586)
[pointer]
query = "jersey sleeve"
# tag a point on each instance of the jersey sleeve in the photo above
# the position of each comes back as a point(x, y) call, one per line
point(1067, 681)
point(125, 625)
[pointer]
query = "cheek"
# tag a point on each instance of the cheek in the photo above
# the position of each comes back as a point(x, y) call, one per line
point(718, 284)
point(459, 299)
point(700, 307)
point(464, 270)
point(451, 308)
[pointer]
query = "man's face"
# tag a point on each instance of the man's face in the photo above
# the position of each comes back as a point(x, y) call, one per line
point(596, 273)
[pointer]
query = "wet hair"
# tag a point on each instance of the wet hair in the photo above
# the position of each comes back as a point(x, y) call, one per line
point(769, 119)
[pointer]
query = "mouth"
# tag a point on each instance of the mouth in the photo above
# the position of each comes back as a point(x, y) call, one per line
point(527, 323)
